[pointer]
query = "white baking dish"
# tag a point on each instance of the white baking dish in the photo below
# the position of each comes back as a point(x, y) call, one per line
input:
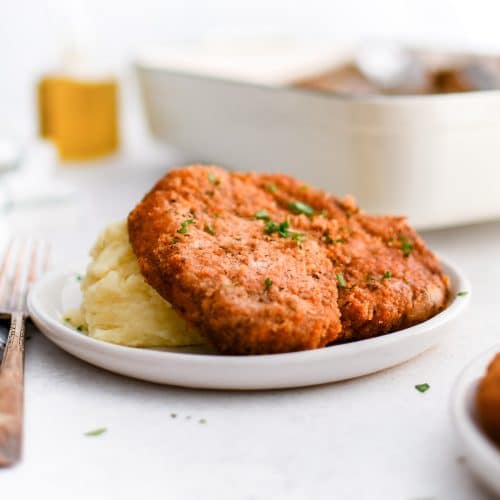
point(434, 158)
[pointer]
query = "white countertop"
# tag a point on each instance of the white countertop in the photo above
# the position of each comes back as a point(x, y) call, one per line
point(375, 437)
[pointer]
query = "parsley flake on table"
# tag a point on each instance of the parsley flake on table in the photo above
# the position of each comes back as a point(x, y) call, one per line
point(184, 226)
point(96, 432)
point(298, 207)
point(422, 387)
point(463, 293)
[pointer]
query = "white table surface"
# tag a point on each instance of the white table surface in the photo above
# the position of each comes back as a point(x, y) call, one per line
point(375, 437)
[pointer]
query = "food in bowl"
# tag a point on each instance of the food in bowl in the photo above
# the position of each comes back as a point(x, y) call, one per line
point(488, 400)
point(264, 264)
point(449, 75)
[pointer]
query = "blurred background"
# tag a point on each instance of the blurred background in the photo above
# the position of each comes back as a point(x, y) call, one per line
point(59, 56)
point(33, 34)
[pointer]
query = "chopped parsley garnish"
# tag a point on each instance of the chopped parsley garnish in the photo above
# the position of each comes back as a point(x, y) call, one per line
point(96, 432)
point(209, 229)
point(387, 275)
point(262, 215)
point(79, 277)
point(298, 207)
point(329, 240)
point(213, 179)
point(463, 293)
point(341, 280)
point(283, 229)
point(406, 246)
point(184, 226)
point(272, 188)
point(79, 328)
point(67, 319)
point(298, 237)
point(270, 227)
point(422, 387)
point(174, 241)
point(267, 283)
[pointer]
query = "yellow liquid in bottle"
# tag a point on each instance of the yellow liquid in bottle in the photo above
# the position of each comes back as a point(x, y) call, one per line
point(80, 117)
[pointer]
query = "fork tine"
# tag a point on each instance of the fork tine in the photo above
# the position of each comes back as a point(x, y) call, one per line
point(39, 263)
point(7, 257)
point(46, 262)
point(20, 277)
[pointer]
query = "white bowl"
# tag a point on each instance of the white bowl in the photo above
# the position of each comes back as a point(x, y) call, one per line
point(396, 154)
point(483, 457)
point(48, 302)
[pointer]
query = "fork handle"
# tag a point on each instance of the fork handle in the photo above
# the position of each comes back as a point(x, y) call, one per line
point(11, 393)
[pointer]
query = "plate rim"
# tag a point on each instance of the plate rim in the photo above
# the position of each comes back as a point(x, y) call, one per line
point(456, 306)
point(466, 429)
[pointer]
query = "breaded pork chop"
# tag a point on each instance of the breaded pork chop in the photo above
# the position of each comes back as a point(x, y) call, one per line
point(488, 400)
point(265, 264)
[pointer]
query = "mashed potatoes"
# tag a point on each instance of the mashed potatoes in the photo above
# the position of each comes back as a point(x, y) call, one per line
point(119, 306)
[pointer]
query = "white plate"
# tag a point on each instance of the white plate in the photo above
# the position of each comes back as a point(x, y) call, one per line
point(48, 301)
point(482, 455)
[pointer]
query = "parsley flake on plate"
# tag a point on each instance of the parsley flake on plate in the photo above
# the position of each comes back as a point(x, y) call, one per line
point(463, 293)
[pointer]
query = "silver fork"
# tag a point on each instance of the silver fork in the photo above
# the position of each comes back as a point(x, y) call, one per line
point(23, 261)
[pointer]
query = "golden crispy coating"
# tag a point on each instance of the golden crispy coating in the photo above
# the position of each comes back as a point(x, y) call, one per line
point(488, 400)
point(265, 264)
